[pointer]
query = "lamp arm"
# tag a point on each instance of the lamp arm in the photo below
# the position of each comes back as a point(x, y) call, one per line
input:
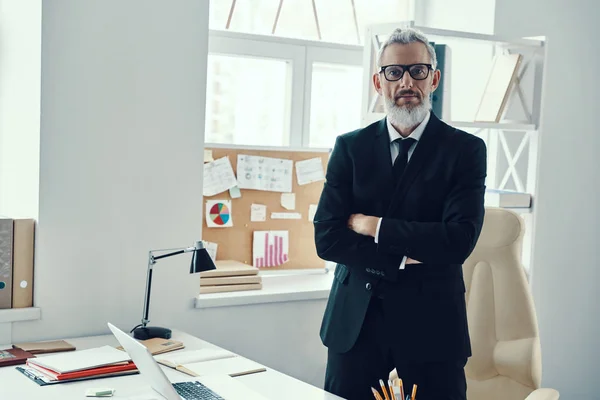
point(151, 261)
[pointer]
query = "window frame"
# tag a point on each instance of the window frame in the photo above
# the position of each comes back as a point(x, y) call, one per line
point(300, 54)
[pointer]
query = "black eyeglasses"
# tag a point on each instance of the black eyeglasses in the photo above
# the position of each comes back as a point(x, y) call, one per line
point(395, 72)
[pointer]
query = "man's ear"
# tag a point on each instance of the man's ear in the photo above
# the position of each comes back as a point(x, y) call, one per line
point(437, 75)
point(377, 83)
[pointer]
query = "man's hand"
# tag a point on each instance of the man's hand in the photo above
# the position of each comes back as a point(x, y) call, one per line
point(363, 224)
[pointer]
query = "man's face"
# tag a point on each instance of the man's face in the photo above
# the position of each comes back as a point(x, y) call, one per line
point(406, 93)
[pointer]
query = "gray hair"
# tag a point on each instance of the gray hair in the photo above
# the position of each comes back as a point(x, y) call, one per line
point(406, 36)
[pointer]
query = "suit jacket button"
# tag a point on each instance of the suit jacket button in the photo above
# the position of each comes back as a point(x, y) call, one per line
point(368, 286)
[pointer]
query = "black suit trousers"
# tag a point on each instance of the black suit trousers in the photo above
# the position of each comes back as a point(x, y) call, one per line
point(352, 374)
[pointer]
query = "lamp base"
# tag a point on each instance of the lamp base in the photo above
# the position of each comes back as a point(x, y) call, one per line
point(149, 332)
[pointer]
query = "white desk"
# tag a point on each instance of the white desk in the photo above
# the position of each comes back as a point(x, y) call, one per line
point(271, 384)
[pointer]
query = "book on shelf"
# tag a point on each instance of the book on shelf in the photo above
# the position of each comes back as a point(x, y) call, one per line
point(229, 268)
point(507, 199)
point(160, 345)
point(231, 280)
point(54, 346)
point(229, 288)
point(14, 357)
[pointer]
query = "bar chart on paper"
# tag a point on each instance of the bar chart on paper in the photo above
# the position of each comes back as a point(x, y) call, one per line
point(270, 248)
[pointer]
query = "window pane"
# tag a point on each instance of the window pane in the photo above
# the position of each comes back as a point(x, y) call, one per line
point(254, 16)
point(336, 96)
point(297, 20)
point(336, 20)
point(247, 101)
point(381, 11)
point(218, 13)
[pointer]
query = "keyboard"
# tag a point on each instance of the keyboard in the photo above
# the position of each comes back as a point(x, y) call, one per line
point(195, 391)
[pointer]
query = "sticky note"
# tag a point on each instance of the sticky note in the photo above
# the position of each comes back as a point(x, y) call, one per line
point(288, 201)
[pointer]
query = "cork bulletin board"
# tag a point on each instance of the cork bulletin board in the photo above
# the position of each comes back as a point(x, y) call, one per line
point(236, 242)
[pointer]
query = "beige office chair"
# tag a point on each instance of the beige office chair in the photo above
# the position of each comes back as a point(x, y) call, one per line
point(506, 363)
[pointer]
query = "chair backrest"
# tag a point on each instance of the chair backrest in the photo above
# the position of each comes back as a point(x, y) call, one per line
point(506, 361)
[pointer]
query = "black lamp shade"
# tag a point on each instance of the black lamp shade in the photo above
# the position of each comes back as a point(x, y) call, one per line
point(201, 261)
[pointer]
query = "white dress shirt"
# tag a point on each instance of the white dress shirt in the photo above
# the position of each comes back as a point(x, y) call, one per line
point(394, 150)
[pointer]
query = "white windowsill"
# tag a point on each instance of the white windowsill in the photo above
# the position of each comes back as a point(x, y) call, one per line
point(19, 314)
point(276, 288)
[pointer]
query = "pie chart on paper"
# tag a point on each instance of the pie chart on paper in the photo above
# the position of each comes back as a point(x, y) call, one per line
point(219, 214)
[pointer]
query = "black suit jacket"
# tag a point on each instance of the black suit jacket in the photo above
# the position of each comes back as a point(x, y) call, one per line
point(434, 214)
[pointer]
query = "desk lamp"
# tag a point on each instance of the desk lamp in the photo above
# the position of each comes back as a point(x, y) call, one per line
point(201, 261)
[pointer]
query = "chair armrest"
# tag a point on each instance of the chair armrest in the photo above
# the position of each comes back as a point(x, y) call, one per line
point(543, 394)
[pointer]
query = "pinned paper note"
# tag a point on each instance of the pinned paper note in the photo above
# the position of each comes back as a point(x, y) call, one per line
point(211, 249)
point(235, 193)
point(308, 171)
point(270, 248)
point(218, 177)
point(288, 201)
point(286, 215)
point(218, 214)
point(208, 157)
point(258, 213)
point(312, 210)
point(264, 173)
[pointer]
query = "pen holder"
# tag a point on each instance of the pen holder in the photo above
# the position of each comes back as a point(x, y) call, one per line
point(394, 391)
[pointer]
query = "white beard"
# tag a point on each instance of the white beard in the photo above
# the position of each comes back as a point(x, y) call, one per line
point(405, 117)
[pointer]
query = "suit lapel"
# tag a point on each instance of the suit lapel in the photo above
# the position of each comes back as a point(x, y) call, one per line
point(423, 151)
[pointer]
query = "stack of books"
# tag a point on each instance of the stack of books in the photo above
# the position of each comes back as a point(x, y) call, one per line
point(230, 276)
point(99, 362)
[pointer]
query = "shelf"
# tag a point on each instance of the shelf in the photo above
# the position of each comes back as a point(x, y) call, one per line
point(20, 314)
point(507, 126)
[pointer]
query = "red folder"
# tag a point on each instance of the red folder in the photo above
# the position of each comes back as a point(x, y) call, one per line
point(107, 369)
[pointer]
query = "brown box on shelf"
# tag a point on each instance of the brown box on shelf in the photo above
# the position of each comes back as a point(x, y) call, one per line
point(23, 248)
point(6, 262)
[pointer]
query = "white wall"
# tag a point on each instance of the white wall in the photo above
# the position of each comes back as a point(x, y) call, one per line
point(567, 232)
point(122, 129)
point(20, 53)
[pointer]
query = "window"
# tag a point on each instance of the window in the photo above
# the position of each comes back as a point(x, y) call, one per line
point(247, 100)
point(339, 21)
point(287, 73)
point(335, 102)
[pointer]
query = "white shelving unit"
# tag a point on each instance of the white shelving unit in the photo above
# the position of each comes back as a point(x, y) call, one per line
point(19, 314)
point(513, 141)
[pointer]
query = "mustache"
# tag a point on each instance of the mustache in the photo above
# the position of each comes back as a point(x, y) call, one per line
point(406, 93)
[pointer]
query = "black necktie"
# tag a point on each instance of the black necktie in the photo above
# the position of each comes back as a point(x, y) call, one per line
point(402, 159)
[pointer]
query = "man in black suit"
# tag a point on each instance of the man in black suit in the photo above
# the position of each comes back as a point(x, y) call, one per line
point(401, 210)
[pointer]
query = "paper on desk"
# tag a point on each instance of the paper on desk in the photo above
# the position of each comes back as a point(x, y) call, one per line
point(211, 249)
point(312, 209)
point(288, 201)
point(308, 171)
point(270, 248)
point(218, 177)
point(258, 213)
point(264, 173)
